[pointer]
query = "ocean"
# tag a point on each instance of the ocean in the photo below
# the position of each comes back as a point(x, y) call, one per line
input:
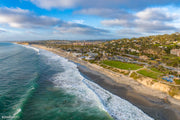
point(39, 85)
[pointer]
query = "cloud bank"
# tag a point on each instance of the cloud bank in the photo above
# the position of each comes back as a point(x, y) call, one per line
point(149, 20)
point(20, 18)
point(137, 15)
point(80, 18)
point(127, 4)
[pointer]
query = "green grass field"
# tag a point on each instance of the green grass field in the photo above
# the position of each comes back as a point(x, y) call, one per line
point(122, 65)
point(155, 70)
point(149, 73)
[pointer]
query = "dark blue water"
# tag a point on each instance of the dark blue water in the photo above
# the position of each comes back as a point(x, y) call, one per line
point(27, 91)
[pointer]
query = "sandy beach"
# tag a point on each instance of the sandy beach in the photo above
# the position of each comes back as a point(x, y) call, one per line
point(156, 104)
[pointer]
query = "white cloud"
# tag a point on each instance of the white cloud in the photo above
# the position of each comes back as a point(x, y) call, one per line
point(153, 26)
point(19, 18)
point(63, 4)
point(48, 4)
point(126, 4)
point(117, 22)
point(162, 14)
point(2, 30)
point(150, 20)
point(106, 12)
point(80, 29)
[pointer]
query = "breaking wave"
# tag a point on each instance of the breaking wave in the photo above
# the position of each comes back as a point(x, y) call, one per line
point(74, 83)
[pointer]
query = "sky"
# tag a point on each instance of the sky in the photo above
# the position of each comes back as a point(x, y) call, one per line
point(86, 19)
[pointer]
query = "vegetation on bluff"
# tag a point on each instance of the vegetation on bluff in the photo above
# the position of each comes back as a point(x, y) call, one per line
point(129, 56)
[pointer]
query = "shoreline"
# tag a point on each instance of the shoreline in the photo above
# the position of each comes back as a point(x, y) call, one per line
point(152, 102)
point(152, 106)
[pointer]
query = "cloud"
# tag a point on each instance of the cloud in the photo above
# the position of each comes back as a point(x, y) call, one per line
point(155, 19)
point(149, 20)
point(127, 4)
point(161, 14)
point(106, 12)
point(19, 18)
point(2, 31)
point(118, 22)
point(63, 4)
point(80, 29)
point(48, 4)
point(139, 15)
point(153, 26)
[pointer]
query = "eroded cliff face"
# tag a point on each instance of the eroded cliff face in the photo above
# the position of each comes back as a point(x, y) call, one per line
point(176, 97)
point(22, 43)
point(159, 86)
point(155, 85)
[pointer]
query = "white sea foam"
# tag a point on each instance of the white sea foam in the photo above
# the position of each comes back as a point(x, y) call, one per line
point(72, 81)
point(119, 108)
point(30, 47)
point(17, 112)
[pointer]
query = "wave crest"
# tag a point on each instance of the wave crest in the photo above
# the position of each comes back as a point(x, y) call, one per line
point(73, 82)
point(30, 47)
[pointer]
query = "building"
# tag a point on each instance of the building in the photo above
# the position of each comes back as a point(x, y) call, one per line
point(77, 54)
point(143, 57)
point(175, 52)
point(91, 56)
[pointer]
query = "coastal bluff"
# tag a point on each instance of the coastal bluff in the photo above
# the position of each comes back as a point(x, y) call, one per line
point(143, 85)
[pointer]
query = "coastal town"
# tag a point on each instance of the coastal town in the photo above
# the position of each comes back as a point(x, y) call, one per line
point(90, 60)
point(156, 58)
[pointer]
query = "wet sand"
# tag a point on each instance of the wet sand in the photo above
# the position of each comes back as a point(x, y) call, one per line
point(154, 107)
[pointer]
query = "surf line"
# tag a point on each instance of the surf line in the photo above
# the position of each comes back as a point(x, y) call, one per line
point(100, 99)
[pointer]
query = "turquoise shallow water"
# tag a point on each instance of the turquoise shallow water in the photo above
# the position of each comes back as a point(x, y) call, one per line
point(38, 85)
point(27, 91)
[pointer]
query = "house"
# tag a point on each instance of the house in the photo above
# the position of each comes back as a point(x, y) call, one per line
point(143, 57)
point(175, 52)
point(133, 50)
point(77, 54)
point(91, 56)
point(168, 78)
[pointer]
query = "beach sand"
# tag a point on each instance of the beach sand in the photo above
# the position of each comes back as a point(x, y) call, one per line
point(154, 107)
point(156, 104)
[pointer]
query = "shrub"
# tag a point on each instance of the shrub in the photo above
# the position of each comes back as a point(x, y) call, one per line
point(174, 91)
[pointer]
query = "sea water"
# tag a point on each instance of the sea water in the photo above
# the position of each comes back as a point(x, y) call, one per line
point(38, 85)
